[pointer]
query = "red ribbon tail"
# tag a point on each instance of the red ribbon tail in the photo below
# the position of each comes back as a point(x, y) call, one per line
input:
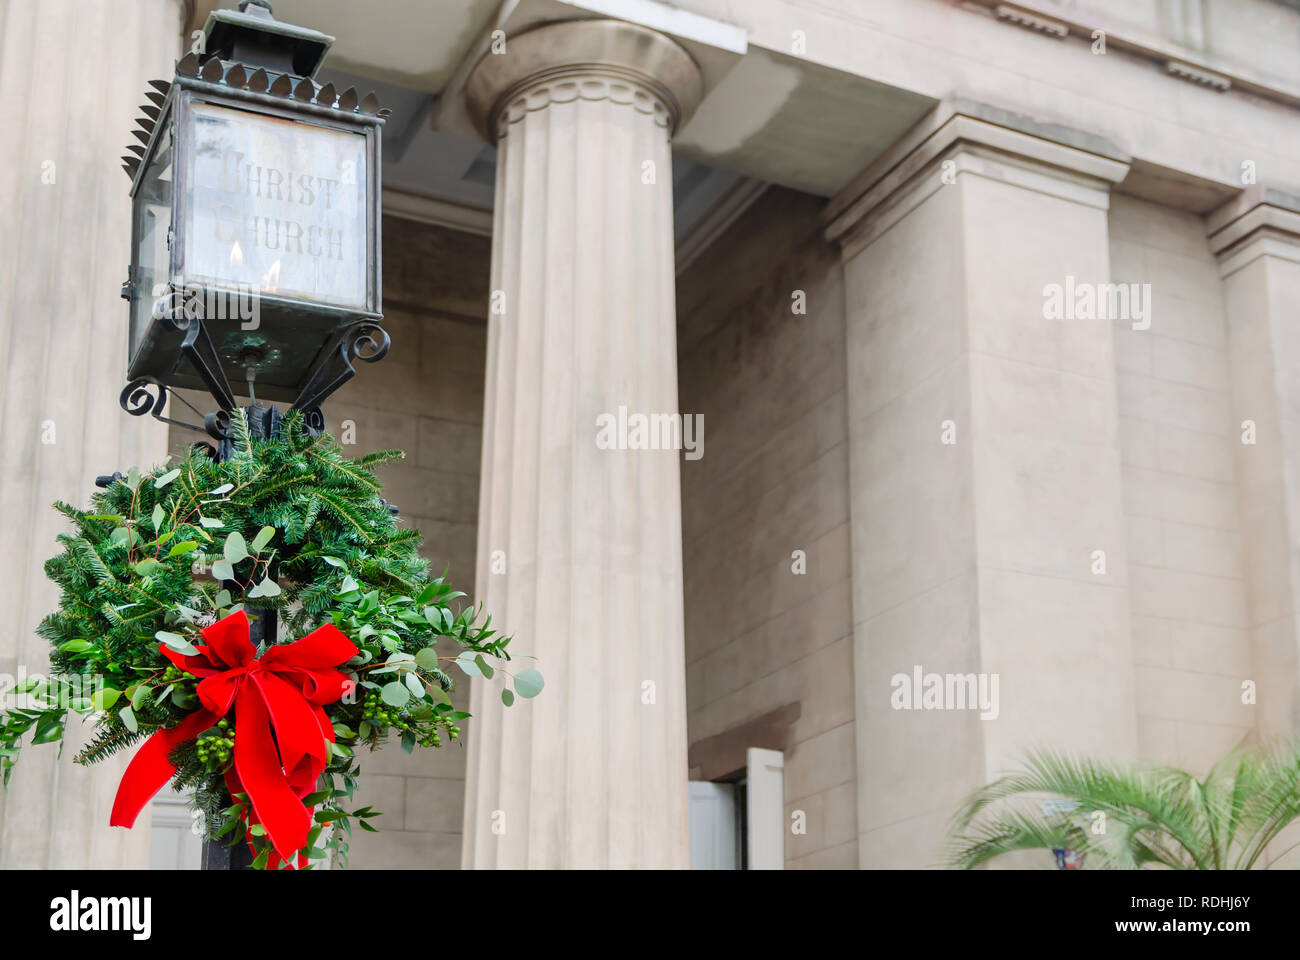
point(275, 804)
point(149, 770)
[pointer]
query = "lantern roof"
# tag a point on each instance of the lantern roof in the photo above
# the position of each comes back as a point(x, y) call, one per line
point(253, 36)
point(249, 51)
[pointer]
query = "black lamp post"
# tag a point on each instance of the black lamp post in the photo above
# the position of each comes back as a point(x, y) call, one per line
point(255, 240)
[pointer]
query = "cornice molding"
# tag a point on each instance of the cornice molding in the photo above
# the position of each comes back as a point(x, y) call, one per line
point(1262, 221)
point(967, 138)
point(1176, 60)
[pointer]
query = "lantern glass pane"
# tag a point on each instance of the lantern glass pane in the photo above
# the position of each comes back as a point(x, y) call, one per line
point(278, 206)
point(153, 218)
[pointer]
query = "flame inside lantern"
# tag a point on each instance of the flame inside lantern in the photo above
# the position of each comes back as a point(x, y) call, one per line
point(271, 279)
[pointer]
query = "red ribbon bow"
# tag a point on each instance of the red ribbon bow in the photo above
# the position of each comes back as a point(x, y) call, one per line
point(280, 693)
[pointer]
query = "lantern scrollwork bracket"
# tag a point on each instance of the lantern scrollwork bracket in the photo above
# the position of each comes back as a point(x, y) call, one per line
point(185, 315)
point(138, 399)
point(366, 341)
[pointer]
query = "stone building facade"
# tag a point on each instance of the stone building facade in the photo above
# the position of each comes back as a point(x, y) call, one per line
point(987, 312)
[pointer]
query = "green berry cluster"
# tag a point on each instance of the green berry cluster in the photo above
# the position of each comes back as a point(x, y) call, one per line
point(182, 681)
point(432, 737)
point(381, 714)
point(214, 748)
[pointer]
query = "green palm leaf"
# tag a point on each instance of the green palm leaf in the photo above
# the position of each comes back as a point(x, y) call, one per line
point(1126, 818)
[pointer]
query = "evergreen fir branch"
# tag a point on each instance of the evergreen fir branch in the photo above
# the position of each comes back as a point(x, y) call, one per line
point(93, 529)
point(106, 742)
point(381, 457)
point(241, 435)
point(99, 568)
point(359, 475)
point(345, 511)
point(276, 486)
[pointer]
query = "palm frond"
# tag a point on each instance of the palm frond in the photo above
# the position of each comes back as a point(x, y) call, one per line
point(1151, 814)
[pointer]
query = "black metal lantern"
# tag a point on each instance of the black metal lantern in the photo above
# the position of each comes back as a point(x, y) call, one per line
point(255, 223)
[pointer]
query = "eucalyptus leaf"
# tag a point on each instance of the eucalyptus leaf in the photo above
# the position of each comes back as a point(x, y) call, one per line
point(158, 516)
point(166, 478)
point(224, 488)
point(210, 522)
point(507, 697)
point(263, 538)
point(128, 719)
point(467, 665)
point(395, 694)
point(267, 588)
point(176, 642)
point(528, 683)
point(236, 549)
point(223, 570)
point(427, 658)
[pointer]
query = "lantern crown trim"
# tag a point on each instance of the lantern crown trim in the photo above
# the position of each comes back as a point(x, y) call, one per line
point(258, 84)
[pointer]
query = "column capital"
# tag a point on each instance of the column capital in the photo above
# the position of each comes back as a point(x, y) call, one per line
point(588, 59)
point(1261, 220)
point(963, 136)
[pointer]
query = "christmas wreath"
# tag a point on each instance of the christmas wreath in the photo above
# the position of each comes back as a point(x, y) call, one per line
point(152, 637)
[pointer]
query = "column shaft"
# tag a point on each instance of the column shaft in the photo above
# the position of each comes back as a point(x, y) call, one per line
point(579, 547)
point(71, 75)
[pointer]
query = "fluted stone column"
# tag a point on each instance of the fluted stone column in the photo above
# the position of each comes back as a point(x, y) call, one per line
point(71, 75)
point(592, 773)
